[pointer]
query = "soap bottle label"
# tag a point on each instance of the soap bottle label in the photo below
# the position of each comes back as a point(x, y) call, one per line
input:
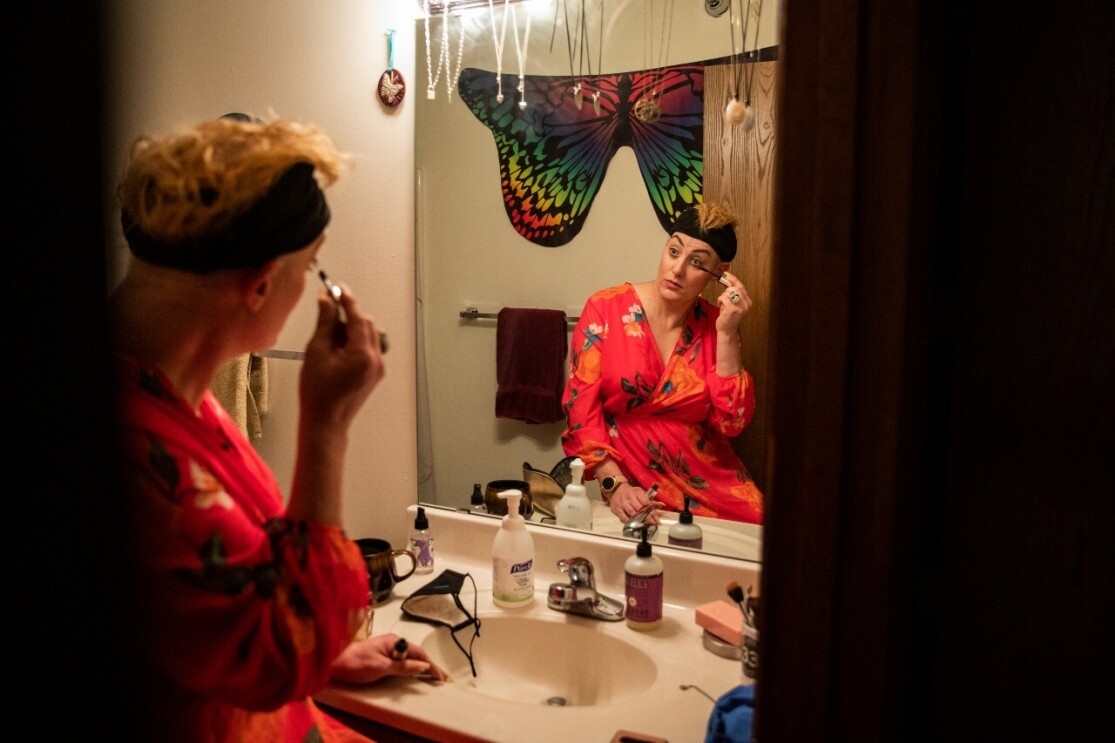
point(691, 543)
point(644, 597)
point(423, 549)
point(514, 581)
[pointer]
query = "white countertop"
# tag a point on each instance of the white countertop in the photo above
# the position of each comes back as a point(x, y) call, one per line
point(456, 711)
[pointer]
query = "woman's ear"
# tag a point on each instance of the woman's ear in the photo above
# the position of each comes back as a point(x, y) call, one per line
point(256, 283)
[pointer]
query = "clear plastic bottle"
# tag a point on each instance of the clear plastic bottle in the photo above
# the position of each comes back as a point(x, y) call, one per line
point(512, 557)
point(685, 533)
point(642, 585)
point(476, 501)
point(422, 543)
point(574, 510)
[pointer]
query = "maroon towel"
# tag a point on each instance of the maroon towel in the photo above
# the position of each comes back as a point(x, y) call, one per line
point(530, 364)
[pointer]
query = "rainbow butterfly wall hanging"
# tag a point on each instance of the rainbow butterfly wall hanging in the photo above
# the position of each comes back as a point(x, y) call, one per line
point(553, 154)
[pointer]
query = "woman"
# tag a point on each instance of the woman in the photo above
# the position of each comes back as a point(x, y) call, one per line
point(657, 387)
point(251, 606)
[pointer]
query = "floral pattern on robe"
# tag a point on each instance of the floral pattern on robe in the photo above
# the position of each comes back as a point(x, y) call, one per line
point(245, 609)
point(667, 425)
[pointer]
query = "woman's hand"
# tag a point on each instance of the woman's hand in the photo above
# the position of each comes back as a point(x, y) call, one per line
point(342, 366)
point(628, 500)
point(734, 302)
point(371, 659)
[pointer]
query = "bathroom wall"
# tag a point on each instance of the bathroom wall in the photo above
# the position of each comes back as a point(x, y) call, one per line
point(172, 63)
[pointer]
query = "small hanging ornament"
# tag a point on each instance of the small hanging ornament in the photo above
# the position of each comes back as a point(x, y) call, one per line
point(735, 112)
point(392, 87)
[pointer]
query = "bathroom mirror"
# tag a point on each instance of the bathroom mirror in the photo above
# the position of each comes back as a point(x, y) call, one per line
point(471, 259)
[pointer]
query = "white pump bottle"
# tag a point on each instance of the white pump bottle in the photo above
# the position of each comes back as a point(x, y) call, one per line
point(574, 510)
point(512, 557)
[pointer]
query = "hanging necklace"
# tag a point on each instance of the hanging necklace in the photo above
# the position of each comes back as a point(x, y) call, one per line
point(499, 46)
point(451, 79)
point(521, 52)
point(599, 60)
point(578, 95)
point(586, 53)
point(443, 58)
point(578, 49)
point(736, 112)
point(647, 109)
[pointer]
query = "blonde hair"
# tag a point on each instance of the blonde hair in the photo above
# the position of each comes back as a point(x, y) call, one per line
point(194, 183)
point(713, 216)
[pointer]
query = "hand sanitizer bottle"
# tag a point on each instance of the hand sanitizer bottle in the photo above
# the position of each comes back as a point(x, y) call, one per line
point(512, 557)
point(574, 510)
point(422, 543)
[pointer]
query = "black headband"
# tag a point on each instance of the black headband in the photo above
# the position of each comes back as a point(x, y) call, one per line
point(288, 217)
point(722, 239)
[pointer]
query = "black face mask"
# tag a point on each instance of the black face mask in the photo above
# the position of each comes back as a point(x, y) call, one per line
point(431, 603)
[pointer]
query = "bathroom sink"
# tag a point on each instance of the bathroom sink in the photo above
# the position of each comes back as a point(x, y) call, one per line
point(559, 661)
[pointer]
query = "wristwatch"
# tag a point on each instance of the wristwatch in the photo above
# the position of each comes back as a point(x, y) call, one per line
point(608, 484)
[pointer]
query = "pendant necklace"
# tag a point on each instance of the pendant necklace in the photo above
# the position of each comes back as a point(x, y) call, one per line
point(574, 77)
point(581, 50)
point(647, 109)
point(521, 52)
point(498, 42)
point(588, 52)
point(431, 76)
point(451, 79)
point(736, 112)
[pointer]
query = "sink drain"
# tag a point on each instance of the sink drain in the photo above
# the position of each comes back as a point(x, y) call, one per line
point(556, 702)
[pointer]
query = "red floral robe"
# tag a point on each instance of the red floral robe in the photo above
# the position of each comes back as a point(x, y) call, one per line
point(246, 610)
point(667, 426)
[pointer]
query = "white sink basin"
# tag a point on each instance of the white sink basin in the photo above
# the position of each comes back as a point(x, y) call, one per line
point(559, 660)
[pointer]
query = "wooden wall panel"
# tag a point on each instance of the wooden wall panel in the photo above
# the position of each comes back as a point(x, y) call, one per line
point(739, 170)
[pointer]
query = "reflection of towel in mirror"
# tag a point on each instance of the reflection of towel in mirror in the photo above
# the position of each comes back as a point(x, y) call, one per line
point(530, 364)
point(241, 386)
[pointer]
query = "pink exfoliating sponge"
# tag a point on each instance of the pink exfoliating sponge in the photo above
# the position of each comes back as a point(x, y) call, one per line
point(721, 619)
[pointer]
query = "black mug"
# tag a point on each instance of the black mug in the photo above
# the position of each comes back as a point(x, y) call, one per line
point(383, 566)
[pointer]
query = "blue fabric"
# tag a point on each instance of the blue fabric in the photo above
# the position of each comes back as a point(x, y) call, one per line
point(730, 721)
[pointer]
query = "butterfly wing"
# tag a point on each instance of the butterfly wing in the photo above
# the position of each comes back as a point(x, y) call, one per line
point(670, 148)
point(552, 154)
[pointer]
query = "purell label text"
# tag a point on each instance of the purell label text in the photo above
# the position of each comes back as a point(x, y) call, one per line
point(522, 567)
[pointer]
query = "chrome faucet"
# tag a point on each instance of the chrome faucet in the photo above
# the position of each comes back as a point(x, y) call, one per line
point(579, 595)
point(636, 524)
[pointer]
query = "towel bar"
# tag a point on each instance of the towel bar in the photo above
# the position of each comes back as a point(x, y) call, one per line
point(471, 313)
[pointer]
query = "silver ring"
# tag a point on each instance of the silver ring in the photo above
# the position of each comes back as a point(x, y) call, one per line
point(734, 296)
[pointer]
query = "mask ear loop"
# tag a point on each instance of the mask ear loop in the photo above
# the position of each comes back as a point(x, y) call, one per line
point(472, 619)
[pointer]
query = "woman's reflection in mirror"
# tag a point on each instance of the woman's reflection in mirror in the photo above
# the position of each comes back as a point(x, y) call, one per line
point(657, 387)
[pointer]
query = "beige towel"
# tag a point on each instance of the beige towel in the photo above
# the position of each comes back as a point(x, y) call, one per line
point(241, 386)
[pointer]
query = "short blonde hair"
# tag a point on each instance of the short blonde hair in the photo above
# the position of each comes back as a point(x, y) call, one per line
point(195, 183)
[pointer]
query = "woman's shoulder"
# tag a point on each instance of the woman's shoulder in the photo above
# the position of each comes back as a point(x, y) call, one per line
point(611, 292)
